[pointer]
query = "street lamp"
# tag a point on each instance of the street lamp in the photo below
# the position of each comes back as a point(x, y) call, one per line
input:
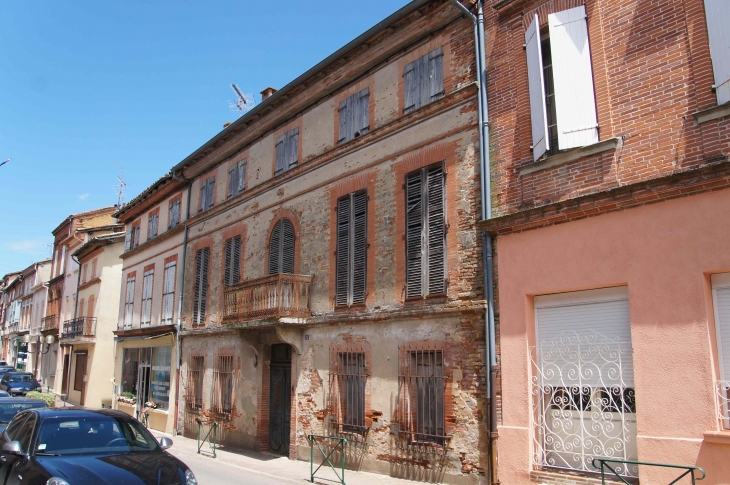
point(48, 340)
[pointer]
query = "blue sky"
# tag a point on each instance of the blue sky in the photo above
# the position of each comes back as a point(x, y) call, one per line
point(87, 87)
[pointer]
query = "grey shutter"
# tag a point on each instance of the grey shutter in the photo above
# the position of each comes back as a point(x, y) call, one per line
point(717, 13)
point(345, 108)
point(343, 252)
point(281, 154)
point(410, 86)
point(147, 297)
point(414, 234)
point(233, 180)
point(203, 195)
point(293, 148)
point(436, 74)
point(128, 240)
point(436, 232)
point(362, 113)
point(359, 247)
point(152, 226)
point(538, 112)
point(136, 232)
point(227, 262)
point(274, 244)
point(232, 261)
point(175, 213)
point(242, 175)
point(287, 247)
point(129, 303)
point(168, 291)
point(210, 193)
point(200, 300)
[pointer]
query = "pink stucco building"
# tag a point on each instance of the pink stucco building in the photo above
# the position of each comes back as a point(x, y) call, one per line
point(611, 201)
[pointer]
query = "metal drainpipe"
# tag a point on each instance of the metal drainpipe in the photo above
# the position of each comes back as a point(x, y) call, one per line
point(78, 280)
point(486, 200)
point(180, 301)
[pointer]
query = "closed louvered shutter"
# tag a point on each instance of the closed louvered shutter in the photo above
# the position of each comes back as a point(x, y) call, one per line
point(232, 261)
point(200, 299)
point(274, 244)
point(575, 102)
point(359, 247)
point(717, 13)
point(351, 249)
point(538, 112)
point(435, 76)
point(343, 252)
point(168, 291)
point(233, 180)
point(210, 192)
point(90, 307)
point(281, 248)
point(127, 240)
point(203, 195)
point(129, 303)
point(425, 233)
point(147, 297)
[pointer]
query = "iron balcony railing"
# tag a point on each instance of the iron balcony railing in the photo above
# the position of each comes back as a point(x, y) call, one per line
point(275, 296)
point(79, 327)
point(49, 323)
point(723, 398)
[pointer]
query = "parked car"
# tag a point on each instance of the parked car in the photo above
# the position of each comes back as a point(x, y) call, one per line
point(4, 394)
point(18, 383)
point(4, 369)
point(2, 362)
point(84, 447)
point(9, 407)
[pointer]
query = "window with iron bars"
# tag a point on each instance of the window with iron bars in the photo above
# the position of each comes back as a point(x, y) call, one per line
point(196, 371)
point(348, 376)
point(222, 399)
point(420, 410)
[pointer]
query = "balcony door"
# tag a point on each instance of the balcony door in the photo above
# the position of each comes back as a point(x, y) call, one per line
point(280, 399)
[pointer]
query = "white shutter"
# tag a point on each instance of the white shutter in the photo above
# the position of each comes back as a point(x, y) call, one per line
point(129, 303)
point(595, 314)
point(718, 30)
point(721, 290)
point(168, 300)
point(147, 297)
point(538, 113)
point(575, 102)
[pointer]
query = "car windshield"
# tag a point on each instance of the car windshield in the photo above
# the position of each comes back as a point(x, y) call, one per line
point(21, 378)
point(8, 409)
point(93, 435)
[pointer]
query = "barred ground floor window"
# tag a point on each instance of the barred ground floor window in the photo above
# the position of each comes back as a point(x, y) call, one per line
point(583, 381)
point(348, 379)
point(194, 388)
point(222, 397)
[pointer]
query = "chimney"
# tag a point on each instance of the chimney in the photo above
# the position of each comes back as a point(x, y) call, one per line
point(267, 92)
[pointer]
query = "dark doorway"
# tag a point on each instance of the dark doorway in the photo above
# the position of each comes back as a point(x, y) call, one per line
point(64, 379)
point(280, 399)
point(79, 375)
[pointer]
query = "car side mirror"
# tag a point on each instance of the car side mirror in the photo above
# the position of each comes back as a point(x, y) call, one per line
point(165, 443)
point(12, 448)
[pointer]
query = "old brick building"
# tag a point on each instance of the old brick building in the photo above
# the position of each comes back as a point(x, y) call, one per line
point(611, 191)
point(333, 279)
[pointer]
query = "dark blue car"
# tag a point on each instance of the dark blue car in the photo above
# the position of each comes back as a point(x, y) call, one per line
point(83, 447)
point(18, 383)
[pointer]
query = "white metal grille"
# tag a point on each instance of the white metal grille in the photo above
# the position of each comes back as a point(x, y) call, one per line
point(583, 404)
point(723, 397)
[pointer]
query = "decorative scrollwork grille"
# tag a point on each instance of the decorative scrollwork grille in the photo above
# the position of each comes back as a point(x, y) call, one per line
point(583, 402)
point(723, 398)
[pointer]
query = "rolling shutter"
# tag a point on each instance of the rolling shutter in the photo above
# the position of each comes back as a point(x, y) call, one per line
point(593, 314)
point(575, 101)
point(351, 249)
point(718, 30)
point(200, 297)
point(538, 112)
point(232, 262)
point(168, 291)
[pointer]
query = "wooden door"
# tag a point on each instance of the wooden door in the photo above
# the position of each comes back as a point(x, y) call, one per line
point(79, 374)
point(280, 399)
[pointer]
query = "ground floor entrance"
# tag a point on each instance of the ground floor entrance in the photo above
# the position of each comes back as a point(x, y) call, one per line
point(280, 399)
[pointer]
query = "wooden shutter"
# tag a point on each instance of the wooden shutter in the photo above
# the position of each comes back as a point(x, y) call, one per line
point(575, 102)
point(152, 226)
point(200, 299)
point(147, 297)
point(90, 307)
point(232, 261)
point(411, 86)
point(436, 232)
point(345, 120)
point(274, 244)
point(281, 154)
point(359, 248)
point(242, 175)
point(81, 308)
point(136, 231)
point(168, 299)
point(129, 302)
point(203, 195)
point(343, 252)
point(538, 112)
point(175, 213)
point(287, 247)
point(210, 192)
point(435, 74)
point(414, 234)
point(93, 269)
point(233, 180)
point(718, 30)
point(362, 115)
point(127, 240)
point(292, 148)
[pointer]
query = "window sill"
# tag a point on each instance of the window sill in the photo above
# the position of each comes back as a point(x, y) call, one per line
point(571, 155)
point(713, 113)
point(719, 437)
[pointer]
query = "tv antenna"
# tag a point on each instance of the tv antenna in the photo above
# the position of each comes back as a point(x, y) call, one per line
point(244, 102)
point(120, 187)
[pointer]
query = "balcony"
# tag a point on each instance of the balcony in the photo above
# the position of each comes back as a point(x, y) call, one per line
point(279, 296)
point(82, 327)
point(49, 323)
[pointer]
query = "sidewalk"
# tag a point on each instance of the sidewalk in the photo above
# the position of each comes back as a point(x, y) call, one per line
point(271, 465)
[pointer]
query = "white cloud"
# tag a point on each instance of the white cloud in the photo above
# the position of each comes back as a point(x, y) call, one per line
point(29, 246)
point(83, 196)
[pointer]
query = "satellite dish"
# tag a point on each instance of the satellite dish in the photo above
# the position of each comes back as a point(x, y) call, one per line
point(244, 102)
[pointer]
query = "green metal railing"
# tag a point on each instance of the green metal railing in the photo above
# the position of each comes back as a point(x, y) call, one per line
point(318, 441)
point(213, 429)
point(603, 463)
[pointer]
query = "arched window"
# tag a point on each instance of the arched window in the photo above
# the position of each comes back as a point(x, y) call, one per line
point(281, 248)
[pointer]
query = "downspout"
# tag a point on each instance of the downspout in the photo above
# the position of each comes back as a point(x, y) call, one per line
point(180, 301)
point(60, 329)
point(486, 213)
